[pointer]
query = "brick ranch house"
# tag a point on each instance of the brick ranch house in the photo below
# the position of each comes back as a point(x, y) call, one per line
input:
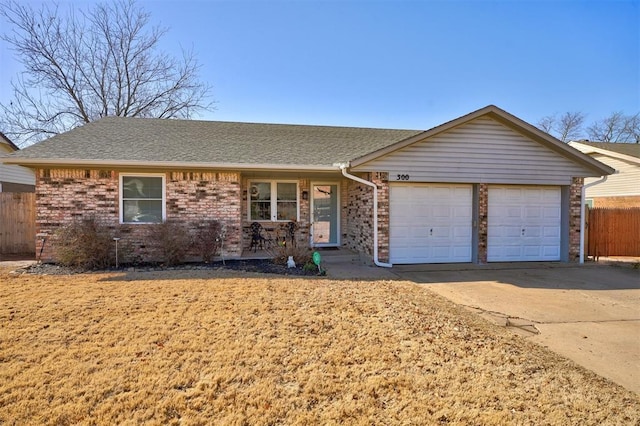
point(485, 187)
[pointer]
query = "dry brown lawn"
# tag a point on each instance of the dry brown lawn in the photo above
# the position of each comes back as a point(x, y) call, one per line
point(197, 348)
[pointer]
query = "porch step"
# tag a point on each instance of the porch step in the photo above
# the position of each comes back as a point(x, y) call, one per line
point(340, 255)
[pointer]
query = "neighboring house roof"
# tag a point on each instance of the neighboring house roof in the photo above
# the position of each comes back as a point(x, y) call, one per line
point(6, 141)
point(146, 142)
point(616, 150)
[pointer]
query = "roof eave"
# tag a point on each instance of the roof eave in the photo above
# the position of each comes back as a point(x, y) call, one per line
point(174, 165)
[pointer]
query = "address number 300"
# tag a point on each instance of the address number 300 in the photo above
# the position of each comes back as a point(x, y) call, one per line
point(402, 177)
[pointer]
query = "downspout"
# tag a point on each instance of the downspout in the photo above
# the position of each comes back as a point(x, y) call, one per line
point(582, 215)
point(343, 167)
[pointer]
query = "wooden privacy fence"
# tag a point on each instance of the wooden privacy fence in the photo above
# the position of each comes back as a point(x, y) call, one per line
point(17, 222)
point(613, 232)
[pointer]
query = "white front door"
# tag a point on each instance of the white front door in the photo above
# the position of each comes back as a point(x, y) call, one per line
point(524, 223)
point(325, 214)
point(430, 223)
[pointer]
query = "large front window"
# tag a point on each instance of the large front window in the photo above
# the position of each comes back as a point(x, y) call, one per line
point(273, 201)
point(142, 198)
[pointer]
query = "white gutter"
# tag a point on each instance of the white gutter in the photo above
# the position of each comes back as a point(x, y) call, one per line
point(582, 218)
point(343, 167)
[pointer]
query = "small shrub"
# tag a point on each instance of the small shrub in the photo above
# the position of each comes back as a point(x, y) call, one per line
point(310, 267)
point(85, 244)
point(301, 255)
point(208, 239)
point(172, 240)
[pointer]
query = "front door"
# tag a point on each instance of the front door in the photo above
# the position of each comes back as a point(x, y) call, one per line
point(325, 215)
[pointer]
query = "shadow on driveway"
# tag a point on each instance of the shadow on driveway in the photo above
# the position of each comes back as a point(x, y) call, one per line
point(541, 275)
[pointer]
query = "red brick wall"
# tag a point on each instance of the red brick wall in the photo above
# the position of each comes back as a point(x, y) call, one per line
point(63, 196)
point(575, 199)
point(359, 230)
point(382, 182)
point(483, 222)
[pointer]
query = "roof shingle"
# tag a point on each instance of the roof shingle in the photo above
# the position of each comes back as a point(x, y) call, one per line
point(631, 149)
point(114, 139)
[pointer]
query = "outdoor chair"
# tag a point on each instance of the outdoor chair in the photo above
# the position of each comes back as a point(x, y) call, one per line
point(290, 232)
point(257, 237)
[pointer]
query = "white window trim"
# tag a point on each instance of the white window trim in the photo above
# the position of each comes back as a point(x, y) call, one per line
point(120, 197)
point(274, 199)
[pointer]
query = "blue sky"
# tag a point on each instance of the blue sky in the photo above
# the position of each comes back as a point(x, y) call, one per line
point(403, 64)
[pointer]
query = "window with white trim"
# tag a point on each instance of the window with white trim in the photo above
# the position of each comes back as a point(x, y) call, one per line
point(273, 201)
point(142, 198)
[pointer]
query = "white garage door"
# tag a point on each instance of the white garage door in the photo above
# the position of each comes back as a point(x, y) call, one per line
point(524, 223)
point(430, 223)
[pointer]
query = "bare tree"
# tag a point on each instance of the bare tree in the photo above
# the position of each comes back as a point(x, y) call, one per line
point(616, 128)
point(565, 127)
point(547, 123)
point(84, 65)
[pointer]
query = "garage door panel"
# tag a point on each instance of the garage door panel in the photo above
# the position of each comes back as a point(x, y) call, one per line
point(551, 251)
point(462, 232)
point(442, 223)
point(462, 212)
point(524, 223)
point(533, 212)
point(534, 232)
point(509, 231)
point(551, 232)
point(552, 213)
point(462, 252)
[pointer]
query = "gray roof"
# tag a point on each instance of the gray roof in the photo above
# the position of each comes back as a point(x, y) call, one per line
point(631, 149)
point(119, 140)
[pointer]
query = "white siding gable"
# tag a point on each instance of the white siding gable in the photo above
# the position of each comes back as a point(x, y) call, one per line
point(624, 183)
point(15, 174)
point(479, 151)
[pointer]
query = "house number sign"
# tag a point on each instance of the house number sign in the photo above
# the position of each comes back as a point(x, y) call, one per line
point(401, 176)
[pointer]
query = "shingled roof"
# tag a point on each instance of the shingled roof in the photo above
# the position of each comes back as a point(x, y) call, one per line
point(191, 143)
point(631, 149)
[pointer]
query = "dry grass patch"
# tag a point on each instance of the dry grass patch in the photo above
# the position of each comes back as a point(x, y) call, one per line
point(172, 348)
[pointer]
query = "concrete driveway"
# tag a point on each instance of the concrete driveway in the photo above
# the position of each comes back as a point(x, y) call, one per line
point(589, 314)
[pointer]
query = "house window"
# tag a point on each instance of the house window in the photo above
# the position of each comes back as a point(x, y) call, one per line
point(273, 201)
point(142, 198)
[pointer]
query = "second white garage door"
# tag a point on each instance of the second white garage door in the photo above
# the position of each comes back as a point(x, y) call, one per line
point(524, 223)
point(430, 223)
